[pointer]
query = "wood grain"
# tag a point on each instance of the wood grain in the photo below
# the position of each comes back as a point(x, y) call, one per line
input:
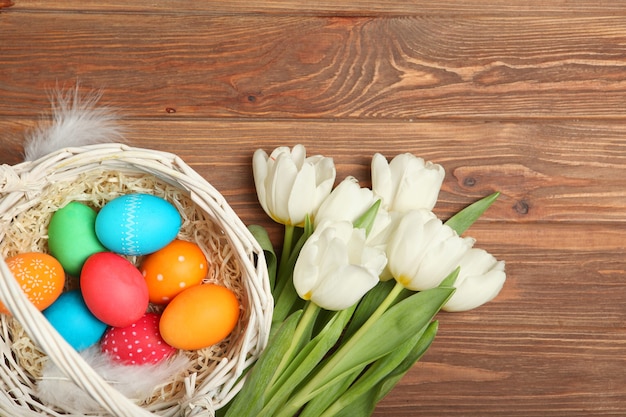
point(405, 68)
point(526, 98)
point(567, 172)
point(351, 8)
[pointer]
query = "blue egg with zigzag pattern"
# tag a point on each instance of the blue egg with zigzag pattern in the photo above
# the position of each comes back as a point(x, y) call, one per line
point(137, 224)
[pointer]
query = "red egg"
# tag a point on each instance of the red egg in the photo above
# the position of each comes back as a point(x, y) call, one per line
point(114, 289)
point(137, 344)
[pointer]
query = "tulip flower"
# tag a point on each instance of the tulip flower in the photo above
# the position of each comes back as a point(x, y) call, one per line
point(335, 267)
point(480, 279)
point(290, 185)
point(348, 201)
point(422, 250)
point(406, 183)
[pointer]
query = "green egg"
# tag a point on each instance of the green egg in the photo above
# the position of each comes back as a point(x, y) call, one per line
point(72, 236)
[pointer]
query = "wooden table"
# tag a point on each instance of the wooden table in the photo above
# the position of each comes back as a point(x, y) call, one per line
point(527, 98)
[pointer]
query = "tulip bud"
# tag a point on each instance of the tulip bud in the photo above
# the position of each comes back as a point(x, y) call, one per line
point(480, 279)
point(422, 251)
point(406, 183)
point(289, 185)
point(335, 267)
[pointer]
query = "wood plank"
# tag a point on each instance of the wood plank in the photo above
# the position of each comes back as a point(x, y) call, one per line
point(567, 172)
point(352, 7)
point(550, 345)
point(233, 66)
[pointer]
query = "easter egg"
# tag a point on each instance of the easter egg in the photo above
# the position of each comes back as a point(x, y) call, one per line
point(137, 344)
point(137, 224)
point(39, 275)
point(113, 289)
point(70, 317)
point(72, 236)
point(199, 317)
point(170, 270)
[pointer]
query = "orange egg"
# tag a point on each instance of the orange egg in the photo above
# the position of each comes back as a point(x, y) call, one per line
point(170, 270)
point(199, 317)
point(41, 277)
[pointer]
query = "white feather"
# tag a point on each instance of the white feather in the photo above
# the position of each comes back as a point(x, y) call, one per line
point(76, 121)
point(136, 382)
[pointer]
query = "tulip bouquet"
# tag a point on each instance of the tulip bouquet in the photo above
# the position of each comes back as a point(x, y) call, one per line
point(362, 275)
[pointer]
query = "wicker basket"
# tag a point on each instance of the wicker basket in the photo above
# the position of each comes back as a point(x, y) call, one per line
point(29, 194)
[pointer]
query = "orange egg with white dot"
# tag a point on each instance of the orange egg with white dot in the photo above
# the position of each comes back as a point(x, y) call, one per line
point(40, 276)
point(170, 270)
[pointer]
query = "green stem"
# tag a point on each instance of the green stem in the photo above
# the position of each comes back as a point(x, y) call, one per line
point(308, 317)
point(283, 275)
point(287, 244)
point(311, 389)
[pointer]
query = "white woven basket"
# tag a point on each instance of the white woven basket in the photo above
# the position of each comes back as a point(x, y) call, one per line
point(30, 184)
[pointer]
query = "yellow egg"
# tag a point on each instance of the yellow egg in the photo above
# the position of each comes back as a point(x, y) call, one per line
point(170, 270)
point(41, 277)
point(199, 317)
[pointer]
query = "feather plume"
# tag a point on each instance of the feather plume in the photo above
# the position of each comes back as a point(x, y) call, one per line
point(136, 382)
point(76, 121)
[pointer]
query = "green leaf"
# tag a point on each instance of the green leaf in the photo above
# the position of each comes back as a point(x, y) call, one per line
point(251, 398)
point(368, 304)
point(306, 360)
point(300, 338)
point(366, 220)
point(317, 405)
point(398, 324)
point(461, 221)
point(394, 327)
point(448, 282)
point(383, 376)
point(261, 236)
point(285, 303)
point(346, 391)
point(286, 299)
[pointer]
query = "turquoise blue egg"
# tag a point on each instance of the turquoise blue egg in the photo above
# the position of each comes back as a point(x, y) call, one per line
point(137, 224)
point(70, 317)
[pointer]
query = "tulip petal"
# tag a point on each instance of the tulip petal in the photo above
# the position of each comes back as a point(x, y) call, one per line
point(347, 201)
point(419, 188)
point(302, 195)
point(407, 182)
point(298, 155)
point(405, 247)
point(325, 178)
point(440, 259)
point(476, 290)
point(382, 185)
point(344, 287)
point(307, 273)
point(260, 172)
point(279, 184)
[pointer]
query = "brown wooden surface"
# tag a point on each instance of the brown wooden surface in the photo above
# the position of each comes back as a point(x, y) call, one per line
point(528, 98)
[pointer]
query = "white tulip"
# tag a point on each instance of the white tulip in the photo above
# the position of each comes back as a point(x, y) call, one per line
point(289, 185)
point(348, 201)
point(480, 280)
point(406, 183)
point(335, 267)
point(422, 251)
